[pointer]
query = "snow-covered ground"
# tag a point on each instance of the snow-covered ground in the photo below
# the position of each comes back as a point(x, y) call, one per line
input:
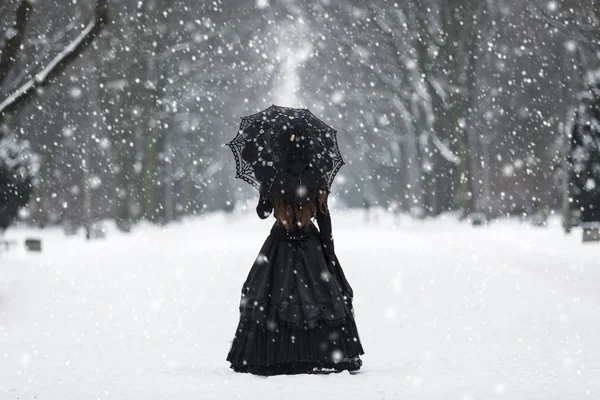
point(444, 310)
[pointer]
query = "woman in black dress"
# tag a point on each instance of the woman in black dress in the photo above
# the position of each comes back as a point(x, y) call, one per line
point(296, 313)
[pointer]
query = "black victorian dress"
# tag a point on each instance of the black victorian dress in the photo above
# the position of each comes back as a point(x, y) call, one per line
point(296, 313)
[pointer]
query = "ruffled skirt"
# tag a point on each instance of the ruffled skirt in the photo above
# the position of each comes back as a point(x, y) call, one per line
point(296, 313)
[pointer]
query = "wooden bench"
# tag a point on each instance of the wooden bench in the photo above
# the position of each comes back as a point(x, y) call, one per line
point(33, 245)
point(591, 235)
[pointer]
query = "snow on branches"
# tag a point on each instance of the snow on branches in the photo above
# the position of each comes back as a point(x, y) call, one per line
point(19, 167)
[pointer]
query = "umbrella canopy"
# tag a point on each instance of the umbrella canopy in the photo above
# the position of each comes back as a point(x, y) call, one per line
point(286, 152)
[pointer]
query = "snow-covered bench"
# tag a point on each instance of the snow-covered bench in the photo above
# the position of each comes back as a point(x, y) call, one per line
point(591, 231)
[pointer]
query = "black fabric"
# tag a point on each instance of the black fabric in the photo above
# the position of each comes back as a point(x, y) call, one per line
point(285, 349)
point(303, 367)
point(296, 307)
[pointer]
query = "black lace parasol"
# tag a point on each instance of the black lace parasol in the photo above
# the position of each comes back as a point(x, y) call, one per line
point(286, 152)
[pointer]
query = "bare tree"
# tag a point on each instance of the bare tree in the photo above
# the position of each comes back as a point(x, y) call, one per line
point(16, 83)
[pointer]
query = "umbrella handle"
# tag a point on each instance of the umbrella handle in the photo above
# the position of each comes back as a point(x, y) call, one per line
point(271, 185)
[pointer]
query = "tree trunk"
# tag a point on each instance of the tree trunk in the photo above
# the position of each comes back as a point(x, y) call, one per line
point(150, 177)
point(124, 161)
point(168, 179)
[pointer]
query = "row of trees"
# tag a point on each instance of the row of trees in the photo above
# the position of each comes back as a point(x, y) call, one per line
point(470, 96)
point(24, 73)
point(440, 105)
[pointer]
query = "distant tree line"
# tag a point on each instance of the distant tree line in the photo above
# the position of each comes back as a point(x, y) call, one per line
point(440, 104)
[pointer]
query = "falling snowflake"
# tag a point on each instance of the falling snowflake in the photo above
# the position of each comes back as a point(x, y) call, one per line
point(262, 4)
point(262, 259)
point(337, 356)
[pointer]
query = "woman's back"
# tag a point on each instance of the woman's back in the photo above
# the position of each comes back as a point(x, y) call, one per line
point(295, 218)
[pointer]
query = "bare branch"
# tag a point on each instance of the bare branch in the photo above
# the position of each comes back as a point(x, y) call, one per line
point(41, 76)
point(538, 15)
point(60, 61)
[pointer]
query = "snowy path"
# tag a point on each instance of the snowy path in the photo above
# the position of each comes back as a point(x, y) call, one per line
point(445, 311)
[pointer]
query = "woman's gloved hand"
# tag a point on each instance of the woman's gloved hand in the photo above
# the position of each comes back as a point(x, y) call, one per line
point(264, 207)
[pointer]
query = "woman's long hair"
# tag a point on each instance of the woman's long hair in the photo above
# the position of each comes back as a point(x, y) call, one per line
point(291, 214)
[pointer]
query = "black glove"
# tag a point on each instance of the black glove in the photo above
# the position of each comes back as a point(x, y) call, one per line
point(324, 221)
point(264, 207)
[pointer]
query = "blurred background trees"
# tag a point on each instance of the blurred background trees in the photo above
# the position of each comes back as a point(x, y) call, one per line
point(440, 105)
